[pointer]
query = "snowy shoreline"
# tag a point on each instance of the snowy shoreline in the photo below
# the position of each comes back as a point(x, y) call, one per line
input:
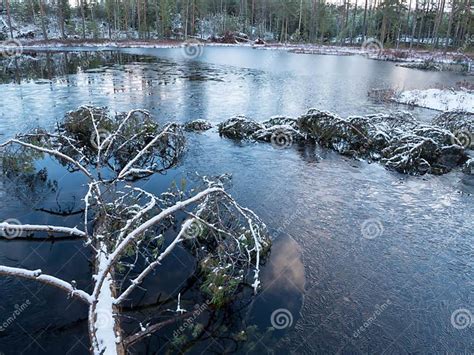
point(438, 99)
point(399, 56)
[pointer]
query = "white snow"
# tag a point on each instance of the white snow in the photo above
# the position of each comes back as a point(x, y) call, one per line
point(104, 324)
point(42, 228)
point(438, 99)
point(178, 308)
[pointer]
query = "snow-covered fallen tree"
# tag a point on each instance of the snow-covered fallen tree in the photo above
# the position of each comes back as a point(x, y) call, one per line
point(396, 140)
point(131, 230)
point(197, 125)
point(281, 131)
point(460, 123)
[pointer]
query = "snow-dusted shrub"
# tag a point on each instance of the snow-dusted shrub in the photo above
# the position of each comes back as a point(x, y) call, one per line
point(355, 136)
point(239, 127)
point(426, 150)
point(197, 125)
point(460, 123)
point(281, 120)
point(397, 140)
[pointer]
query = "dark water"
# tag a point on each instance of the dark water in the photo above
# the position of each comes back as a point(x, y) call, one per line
point(345, 293)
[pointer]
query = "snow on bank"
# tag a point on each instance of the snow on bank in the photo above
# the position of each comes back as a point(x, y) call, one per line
point(400, 55)
point(379, 53)
point(438, 99)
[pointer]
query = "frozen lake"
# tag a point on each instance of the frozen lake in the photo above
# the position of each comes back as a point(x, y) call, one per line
point(346, 293)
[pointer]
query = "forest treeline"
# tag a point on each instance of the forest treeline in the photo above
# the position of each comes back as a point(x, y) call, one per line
point(428, 23)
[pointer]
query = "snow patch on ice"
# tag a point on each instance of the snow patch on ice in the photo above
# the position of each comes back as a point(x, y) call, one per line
point(438, 99)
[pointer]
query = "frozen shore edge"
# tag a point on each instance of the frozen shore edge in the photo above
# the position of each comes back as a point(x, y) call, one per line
point(409, 56)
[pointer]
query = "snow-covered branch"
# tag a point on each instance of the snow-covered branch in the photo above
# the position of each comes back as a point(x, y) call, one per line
point(52, 152)
point(137, 216)
point(37, 275)
point(18, 228)
point(125, 170)
point(110, 139)
point(139, 279)
point(117, 253)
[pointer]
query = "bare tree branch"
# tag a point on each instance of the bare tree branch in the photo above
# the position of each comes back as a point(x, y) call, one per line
point(41, 228)
point(135, 338)
point(139, 279)
point(51, 152)
point(37, 275)
point(113, 257)
point(127, 167)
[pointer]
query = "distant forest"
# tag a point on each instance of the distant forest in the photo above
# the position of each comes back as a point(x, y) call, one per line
point(407, 23)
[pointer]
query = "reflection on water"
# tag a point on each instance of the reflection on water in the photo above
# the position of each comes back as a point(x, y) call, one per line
point(221, 83)
point(421, 262)
point(284, 281)
point(322, 270)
